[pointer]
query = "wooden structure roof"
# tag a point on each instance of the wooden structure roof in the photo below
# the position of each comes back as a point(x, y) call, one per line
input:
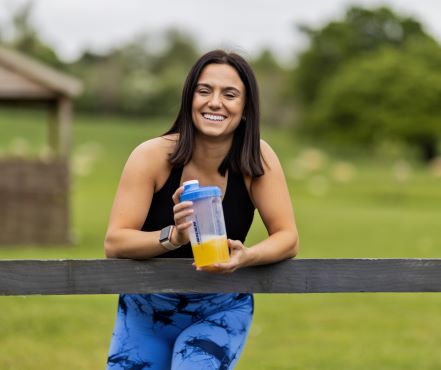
point(24, 78)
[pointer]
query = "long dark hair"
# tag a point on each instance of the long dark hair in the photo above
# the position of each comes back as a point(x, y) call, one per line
point(244, 155)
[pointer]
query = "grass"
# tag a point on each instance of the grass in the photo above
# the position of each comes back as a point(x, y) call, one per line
point(371, 210)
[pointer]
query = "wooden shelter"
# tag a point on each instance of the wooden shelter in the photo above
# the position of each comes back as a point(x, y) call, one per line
point(34, 193)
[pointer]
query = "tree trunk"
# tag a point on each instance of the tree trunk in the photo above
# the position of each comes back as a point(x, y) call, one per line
point(428, 148)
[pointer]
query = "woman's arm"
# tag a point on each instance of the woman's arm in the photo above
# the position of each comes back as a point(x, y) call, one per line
point(271, 197)
point(146, 167)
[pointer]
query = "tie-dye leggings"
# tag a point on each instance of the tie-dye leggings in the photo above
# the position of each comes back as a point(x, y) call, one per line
point(180, 331)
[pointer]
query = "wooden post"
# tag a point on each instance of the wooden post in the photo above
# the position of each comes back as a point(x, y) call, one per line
point(63, 122)
point(53, 128)
point(64, 118)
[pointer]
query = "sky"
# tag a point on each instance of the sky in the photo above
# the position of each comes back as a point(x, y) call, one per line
point(246, 26)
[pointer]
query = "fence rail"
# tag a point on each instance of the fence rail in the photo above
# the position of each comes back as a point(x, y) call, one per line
point(160, 275)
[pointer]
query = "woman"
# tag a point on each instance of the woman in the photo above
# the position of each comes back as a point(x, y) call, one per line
point(215, 139)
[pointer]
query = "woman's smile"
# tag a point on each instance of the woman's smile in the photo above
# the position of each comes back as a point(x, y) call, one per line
point(214, 117)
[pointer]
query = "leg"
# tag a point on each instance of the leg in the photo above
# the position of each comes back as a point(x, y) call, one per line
point(214, 342)
point(143, 336)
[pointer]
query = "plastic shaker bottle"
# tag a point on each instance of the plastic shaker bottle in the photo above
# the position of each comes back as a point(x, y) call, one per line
point(208, 237)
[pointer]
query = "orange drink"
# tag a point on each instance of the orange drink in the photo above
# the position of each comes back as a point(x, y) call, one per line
point(208, 236)
point(211, 251)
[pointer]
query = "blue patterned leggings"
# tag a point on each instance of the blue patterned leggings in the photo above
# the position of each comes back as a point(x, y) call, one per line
point(180, 331)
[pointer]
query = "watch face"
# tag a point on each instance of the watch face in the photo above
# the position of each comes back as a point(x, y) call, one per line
point(163, 236)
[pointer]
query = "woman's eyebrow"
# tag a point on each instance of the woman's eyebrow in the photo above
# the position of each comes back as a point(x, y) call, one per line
point(203, 85)
point(229, 88)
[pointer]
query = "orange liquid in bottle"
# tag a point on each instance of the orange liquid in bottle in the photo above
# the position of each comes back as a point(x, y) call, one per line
point(211, 251)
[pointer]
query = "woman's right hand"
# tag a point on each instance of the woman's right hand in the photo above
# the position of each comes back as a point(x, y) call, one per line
point(181, 210)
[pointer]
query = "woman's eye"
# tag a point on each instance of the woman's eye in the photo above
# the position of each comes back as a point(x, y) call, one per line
point(230, 96)
point(203, 92)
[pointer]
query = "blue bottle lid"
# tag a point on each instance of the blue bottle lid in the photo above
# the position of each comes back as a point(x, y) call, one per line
point(192, 191)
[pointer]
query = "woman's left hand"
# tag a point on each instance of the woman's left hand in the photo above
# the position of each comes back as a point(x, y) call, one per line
point(238, 258)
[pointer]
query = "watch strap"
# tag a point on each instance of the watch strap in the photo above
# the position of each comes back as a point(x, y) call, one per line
point(165, 236)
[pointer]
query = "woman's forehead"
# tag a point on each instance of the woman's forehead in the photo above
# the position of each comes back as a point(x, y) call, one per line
point(222, 75)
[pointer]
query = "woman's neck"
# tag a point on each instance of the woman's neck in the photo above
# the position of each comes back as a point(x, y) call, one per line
point(209, 154)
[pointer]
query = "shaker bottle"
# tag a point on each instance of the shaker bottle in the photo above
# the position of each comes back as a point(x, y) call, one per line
point(208, 237)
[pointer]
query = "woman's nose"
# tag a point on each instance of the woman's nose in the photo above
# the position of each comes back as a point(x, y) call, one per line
point(215, 101)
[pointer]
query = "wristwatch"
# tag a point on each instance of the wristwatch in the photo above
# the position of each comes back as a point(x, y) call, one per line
point(164, 238)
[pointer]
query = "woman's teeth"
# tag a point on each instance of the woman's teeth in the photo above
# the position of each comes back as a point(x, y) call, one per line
point(214, 117)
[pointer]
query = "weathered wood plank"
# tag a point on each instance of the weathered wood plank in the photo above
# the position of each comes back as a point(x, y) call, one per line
point(16, 86)
point(111, 276)
point(64, 118)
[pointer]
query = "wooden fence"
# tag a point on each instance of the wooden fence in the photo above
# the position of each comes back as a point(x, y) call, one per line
point(111, 276)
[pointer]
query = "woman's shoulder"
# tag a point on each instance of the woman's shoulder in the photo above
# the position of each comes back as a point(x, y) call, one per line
point(151, 156)
point(270, 161)
point(161, 145)
point(268, 154)
point(265, 147)
point(156, 150)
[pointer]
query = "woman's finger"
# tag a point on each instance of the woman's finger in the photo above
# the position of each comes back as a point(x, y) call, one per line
point(177, 194)
point(181, 213)
point(235, 245)
point(181, 206)
point(183, 226)
point(220, 268)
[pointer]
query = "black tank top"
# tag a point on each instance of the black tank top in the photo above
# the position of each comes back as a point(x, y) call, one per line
point(237, 206)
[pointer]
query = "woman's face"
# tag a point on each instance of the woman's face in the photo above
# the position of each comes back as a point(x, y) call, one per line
point(218, 101)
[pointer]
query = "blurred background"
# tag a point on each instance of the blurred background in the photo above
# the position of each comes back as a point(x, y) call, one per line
point(351, 103)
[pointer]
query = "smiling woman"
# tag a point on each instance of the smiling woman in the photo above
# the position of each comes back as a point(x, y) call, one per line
point(219, 98)
point(215, 140)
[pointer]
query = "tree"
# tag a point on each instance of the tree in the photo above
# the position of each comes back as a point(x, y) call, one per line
point(136, 78)
point(390, 94)
point(362, 31)
point(164, 81)
point(271, 76)
point(25, 38)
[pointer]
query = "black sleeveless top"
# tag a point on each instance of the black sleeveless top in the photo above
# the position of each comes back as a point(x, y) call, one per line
point(237, 206)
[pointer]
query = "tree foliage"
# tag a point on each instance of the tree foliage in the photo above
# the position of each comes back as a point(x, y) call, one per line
point(361, 32)
point(135, 78)
point(24, 37)
point(388, 95)
point(272, 77)
point(372, 77)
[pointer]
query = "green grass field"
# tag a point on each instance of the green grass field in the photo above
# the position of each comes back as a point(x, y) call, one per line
point(358, 206)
